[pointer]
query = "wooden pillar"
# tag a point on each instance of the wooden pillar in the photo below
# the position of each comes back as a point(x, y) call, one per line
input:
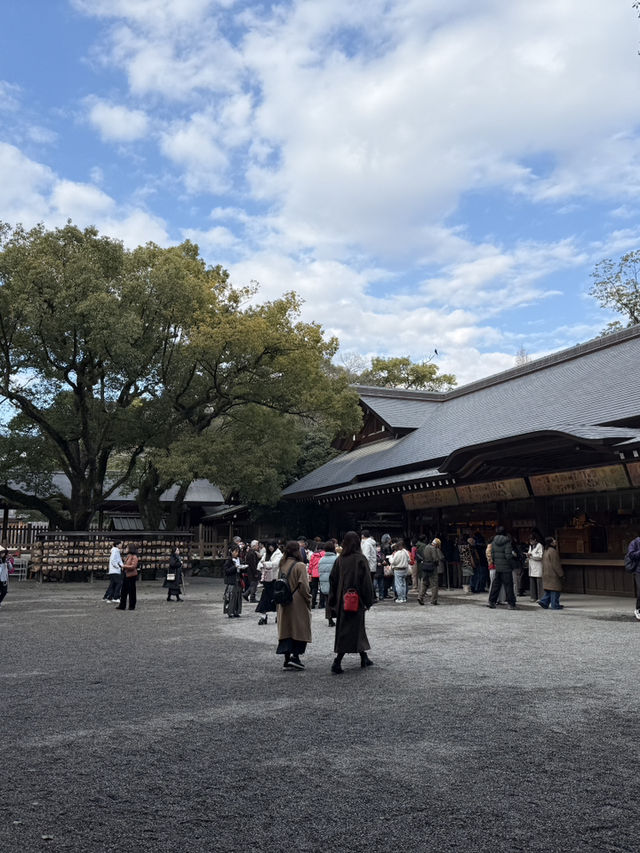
point(5, 522)
point(200, 541)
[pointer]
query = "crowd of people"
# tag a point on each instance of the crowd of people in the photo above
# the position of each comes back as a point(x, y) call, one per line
point(123, 576)
point(345, 579)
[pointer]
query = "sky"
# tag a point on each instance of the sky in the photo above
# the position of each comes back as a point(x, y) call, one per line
point(426, 174)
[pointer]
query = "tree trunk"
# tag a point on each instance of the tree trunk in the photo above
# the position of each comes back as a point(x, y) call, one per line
point(175, 510)
point(149, 492)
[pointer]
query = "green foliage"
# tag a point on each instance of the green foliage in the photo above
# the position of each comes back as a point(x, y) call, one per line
point(403, 373)
point(118, 366)
point(617, 287)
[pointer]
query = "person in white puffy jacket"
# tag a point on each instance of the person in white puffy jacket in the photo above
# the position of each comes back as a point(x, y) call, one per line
point(399, 562)
point(534, 555)
point(269, 564)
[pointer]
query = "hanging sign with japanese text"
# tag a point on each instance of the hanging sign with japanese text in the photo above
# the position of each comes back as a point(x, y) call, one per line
point(608, 478)
point(501, 490)
point(431, 498)
point(634, 472)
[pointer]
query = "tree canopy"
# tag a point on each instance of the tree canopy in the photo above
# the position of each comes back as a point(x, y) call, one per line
point(131, 367)
point(404, 373)
point(616, 285)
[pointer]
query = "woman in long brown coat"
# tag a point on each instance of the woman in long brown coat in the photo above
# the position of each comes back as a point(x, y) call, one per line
point(294, 619)
point(350, 571)
point(552, 576)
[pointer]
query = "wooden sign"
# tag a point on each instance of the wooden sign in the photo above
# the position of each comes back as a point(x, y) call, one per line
point(501, 490)
point(608, 478)
point(434, 497)
point(634, 472)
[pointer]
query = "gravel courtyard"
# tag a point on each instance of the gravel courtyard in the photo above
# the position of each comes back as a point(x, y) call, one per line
point(173, 728)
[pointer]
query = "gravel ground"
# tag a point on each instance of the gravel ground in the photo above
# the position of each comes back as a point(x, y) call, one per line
point(173, 728)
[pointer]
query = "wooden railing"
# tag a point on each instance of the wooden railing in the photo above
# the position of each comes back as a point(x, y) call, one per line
point(206, 543)
point(23, 536)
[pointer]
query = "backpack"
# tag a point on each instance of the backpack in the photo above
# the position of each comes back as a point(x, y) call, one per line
point(420, 551)
point(630, 565)
point(282, 593)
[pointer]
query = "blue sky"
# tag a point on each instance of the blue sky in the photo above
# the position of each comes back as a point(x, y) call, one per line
point(424, 173)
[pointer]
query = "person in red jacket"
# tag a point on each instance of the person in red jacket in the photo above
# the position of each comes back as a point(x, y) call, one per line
point(314, 577)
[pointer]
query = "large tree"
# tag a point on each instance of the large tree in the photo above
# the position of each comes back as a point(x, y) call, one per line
point(113, 362)
point(403, 373)
point(616, 286)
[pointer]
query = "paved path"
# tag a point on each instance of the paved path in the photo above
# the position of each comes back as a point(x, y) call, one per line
point(173, 728)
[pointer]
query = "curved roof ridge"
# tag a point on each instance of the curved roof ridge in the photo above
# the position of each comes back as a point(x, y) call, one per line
point(577, 351)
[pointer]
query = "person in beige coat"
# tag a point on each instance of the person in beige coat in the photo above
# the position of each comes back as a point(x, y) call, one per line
point(552, 576)
point(294, 619)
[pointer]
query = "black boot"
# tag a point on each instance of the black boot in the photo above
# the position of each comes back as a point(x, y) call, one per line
point(365, 660)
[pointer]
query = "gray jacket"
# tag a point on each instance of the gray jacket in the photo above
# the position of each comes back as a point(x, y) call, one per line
point(433, 559)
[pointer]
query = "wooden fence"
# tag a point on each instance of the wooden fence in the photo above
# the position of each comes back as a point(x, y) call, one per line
point(22, 537)
point(206, 542)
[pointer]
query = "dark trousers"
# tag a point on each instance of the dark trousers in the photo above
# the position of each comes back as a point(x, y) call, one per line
point(315, 586)
point(504, 579)
point(637, 577)
point(3, 590)
point(115, 585)
point(480, 579)
point(250, 594)
point(381, 587)
point(128, 591)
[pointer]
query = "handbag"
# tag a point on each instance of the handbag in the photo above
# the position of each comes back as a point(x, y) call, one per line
point(351, 601)
point(171, 576)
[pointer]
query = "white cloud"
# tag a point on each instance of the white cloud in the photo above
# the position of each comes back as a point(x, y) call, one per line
point(340, 141)
point(82, 202)
point(9, 96)
point(212, 240)
point(24, 186)
point(618, 242)
point(41, 135)
point(117, 123)
point(31, 192)
point(135, 228)
point(193, 146)
point(158, 14)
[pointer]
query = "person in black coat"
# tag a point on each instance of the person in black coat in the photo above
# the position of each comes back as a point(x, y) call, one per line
point(174, 586)
point(233, 587)
point(252, 560)
point(504, 558)
point(350, 572)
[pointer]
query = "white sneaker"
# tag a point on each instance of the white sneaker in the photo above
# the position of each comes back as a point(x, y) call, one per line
point(116, 600)
point(637, 612)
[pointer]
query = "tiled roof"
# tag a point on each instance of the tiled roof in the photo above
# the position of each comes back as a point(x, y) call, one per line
point(572, 391)
point(399, 413)
point(199, 492)
point(424, 474)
